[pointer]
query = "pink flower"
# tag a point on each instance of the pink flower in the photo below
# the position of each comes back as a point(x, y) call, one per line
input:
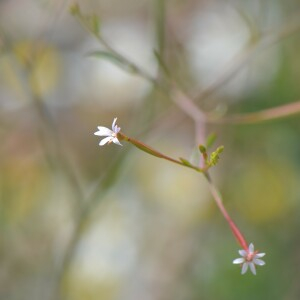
point(249, 258)
point(111, 135)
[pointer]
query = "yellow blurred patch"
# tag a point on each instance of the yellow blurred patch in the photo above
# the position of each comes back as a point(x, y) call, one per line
point(78, 287)
point(22, 189)
point(43, 62)
point(32, 67)
point(262, 193)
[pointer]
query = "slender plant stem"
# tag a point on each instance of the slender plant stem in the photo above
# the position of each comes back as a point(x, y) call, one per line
point(274, 113)
point(219, 201)
point(187, 104)
point(94, 198)
point(48, 133)
point(214, 191)
point(125, 60)
point(153, 152)
point(160, 22)
point(184, 102)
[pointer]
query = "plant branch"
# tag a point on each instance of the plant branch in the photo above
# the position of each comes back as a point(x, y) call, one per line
point(214, 191)
point(179, 97)
point(153, 152)
point(219, 201)
point(160, 21)
point(274, 113)
point(247, 53)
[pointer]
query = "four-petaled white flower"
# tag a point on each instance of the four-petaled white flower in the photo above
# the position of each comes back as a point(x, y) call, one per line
point(111, 135)
point(250, 258)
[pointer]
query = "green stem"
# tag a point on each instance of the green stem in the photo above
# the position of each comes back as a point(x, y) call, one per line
point(160, 17)
point(151, 151)
point(179, 97)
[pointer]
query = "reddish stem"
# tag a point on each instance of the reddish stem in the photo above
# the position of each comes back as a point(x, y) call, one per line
point(218, 199)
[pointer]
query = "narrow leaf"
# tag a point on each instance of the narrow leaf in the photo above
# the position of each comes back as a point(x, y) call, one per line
point(161, 63)
point(115, 59)
point(185, 162)
point(210, 140)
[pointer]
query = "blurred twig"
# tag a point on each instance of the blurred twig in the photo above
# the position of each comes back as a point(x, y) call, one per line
point(278, 112)
point(181, 101)
point(248, 52)
point(48, 133)
point(122, 58)
point(160, 23)
point(56, 150)
point(97, 193)
point(243, 57)
point(186, 104)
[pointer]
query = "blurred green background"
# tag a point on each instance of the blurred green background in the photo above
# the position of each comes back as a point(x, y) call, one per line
point(82, 222)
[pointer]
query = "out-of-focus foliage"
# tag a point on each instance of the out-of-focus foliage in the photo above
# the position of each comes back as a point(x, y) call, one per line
point(82, 222)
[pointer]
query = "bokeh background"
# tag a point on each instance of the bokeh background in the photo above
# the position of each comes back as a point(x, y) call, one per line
point(82, 222)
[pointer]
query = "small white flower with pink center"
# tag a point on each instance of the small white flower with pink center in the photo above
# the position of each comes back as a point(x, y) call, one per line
point(250, 258)
point(111, 135)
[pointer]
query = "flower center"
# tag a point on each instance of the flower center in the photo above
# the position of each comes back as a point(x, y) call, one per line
point(250, 256)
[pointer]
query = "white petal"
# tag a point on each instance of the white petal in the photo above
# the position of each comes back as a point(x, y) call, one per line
point(260, 255)
point(105, 140)
point(243, 253)
point(113, 124)
point(252, 268)
point(259, 262)
point(103, 131)
point(251, 248)
point(244, 268)
point(239, 260)
point(116, 141)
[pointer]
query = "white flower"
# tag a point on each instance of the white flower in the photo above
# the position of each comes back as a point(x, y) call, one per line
point(111, 135)
point(250, 258)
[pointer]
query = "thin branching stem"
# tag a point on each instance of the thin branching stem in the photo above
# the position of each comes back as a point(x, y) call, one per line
point(279, 112)
point(183, 101)
point(249, 52)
